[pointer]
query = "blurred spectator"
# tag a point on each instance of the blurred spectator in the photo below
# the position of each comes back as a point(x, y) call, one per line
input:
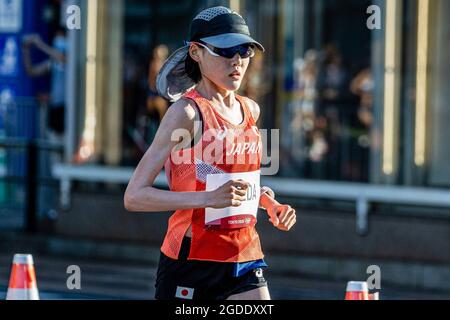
point(55, 65)
point(134, 107)
point(306, 119)
point(333, 76)
point(155, 103)
point(323, 120)
point(143, 107)
point(54, 15)
point(55, 102)
point(362, 85)
point(305, 83)
point(319, 146)
point(342, 132)
point(148, 122)
point(306, 139)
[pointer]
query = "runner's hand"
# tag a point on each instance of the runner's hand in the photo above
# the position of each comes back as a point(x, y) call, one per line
point(282, 216)
point(231, 194)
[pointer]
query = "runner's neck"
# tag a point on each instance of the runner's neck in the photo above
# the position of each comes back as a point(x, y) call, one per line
point(222, 98)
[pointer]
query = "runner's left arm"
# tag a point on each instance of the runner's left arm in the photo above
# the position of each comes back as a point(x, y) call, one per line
point(282, 216)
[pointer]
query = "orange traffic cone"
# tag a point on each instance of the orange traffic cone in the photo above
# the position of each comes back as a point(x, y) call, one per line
point(22, 284)
point(374, 296)
point(357, 290)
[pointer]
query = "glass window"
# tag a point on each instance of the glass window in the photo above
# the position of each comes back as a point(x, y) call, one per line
point(325, 95)
point(440, 96)
point(344, 97)
point(152, 30)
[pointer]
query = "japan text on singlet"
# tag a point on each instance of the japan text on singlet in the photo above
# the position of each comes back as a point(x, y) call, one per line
point(223, 152)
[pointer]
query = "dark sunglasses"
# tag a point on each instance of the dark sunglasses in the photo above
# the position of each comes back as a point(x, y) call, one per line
point(246, 50)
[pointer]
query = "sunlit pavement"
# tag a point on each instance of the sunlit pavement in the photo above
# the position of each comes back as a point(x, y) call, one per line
point(60, 296)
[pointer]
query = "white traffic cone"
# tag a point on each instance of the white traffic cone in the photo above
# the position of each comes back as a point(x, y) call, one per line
point(22, 284)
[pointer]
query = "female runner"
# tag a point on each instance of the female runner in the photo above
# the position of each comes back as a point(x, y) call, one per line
point(210, 147)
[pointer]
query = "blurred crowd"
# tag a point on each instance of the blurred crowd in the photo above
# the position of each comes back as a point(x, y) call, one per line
point(329, 118)
point(327, 123)
point(327, 115)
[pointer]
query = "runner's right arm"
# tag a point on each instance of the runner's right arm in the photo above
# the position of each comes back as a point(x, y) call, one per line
point(141, 196)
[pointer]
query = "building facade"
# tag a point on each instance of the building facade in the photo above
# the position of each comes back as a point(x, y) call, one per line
point(357, 90)
point(351, 103)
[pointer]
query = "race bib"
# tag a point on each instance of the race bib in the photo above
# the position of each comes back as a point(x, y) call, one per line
point(234, 217)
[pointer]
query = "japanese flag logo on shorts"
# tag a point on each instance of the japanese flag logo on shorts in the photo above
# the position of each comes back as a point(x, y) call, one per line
point(184, 293)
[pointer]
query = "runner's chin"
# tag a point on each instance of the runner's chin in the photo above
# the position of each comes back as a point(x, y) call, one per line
point(233, 83)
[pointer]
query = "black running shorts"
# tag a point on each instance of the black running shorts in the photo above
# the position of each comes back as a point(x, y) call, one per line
point(201, 280)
